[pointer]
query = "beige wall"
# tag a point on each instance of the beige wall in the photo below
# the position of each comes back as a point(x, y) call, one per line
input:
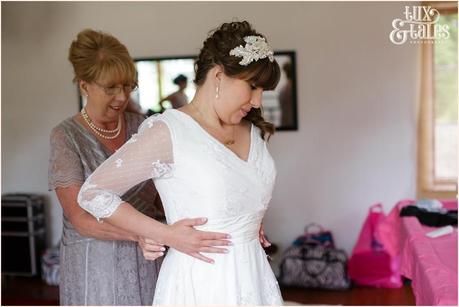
point(356, 92)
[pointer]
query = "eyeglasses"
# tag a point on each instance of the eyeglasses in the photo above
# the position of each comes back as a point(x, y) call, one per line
point(115, 90)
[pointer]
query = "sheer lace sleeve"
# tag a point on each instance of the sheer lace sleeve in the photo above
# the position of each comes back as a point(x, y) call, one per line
point(147, 154)
point(65, 168)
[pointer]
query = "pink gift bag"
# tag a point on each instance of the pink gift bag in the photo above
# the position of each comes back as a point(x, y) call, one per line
point(370, 263)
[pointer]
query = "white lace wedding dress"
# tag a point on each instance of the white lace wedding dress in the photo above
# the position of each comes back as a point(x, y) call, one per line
point(197, 176)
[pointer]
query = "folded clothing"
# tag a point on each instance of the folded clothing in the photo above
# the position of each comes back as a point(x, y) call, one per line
point(431, 205)
point(432, 219)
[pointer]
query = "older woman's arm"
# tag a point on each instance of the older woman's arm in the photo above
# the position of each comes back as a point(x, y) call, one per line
point(65, 178)
point(86, 225)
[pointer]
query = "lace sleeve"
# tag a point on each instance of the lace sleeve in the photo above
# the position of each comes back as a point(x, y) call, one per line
point(147, 154)
point(65, 168)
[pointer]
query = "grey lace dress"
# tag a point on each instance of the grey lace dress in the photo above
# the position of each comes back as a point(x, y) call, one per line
point(92, 271)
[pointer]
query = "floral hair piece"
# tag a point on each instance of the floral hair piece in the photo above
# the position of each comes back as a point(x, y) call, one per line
point(255, 49)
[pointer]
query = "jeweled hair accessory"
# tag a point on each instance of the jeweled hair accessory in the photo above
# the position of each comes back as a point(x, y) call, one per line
point(255, 49)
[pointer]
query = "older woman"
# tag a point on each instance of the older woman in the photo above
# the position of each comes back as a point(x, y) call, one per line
point(102, 264)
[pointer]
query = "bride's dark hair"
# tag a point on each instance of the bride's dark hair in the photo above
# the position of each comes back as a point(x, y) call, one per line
point(262, 73)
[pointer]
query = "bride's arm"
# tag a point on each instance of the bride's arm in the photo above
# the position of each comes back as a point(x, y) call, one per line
point(147, 154)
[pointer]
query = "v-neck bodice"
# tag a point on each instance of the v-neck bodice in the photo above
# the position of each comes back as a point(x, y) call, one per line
point(222, 183)
point(215, 140)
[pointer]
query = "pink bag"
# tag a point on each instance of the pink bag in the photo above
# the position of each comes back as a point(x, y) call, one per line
point(370, 263)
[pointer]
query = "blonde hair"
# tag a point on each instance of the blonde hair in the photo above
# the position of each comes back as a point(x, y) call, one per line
point(95, 55)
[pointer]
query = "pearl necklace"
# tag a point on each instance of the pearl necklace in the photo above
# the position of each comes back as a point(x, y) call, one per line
point(99, 131)
point(228, 142)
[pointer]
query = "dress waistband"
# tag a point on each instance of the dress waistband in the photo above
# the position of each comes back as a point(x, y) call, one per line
point(242, 228)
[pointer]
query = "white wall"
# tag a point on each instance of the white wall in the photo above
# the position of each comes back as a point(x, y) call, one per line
point(356, 92)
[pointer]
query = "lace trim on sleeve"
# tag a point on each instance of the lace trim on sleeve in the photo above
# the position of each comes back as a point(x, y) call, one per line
point(64, 183)
point(99, 202)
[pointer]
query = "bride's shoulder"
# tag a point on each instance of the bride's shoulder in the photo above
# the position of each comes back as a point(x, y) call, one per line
point(159, 121)
point(168, 116)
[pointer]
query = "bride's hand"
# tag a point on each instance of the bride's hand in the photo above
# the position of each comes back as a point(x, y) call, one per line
point(151, 249)
point(264, 242)
point(184, 238)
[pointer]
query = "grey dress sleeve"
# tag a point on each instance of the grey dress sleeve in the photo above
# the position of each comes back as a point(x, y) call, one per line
point(65, 166)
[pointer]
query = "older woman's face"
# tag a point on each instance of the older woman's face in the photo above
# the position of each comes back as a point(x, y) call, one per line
point(105, 104)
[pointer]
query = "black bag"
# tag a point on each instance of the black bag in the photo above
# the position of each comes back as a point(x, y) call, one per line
point(314, 265)
point(319, 236)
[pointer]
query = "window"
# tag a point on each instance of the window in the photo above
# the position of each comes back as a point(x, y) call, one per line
point(438, 117)
point(156, 80)
point(445, 103)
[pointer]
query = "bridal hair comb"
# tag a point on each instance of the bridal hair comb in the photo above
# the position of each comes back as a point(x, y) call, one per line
point(255, 49)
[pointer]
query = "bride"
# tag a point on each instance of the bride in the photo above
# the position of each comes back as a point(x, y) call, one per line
point(212, 156)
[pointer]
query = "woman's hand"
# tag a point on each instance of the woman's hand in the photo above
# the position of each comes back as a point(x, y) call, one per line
point(264, 242)
point(184, 238)
point(151, 249)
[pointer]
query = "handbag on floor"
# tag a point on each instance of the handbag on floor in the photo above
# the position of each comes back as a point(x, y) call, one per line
point(50, 266)
point(313, 262)
point(371, 264)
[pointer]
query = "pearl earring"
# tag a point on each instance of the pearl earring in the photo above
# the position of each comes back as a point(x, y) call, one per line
point(217, 91)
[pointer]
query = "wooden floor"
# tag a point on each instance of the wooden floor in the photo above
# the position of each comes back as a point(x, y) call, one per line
point(29, 291)
point(355, 296)
point(32, 291)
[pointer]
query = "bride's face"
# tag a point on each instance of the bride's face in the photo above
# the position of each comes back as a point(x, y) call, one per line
point(236, 98)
